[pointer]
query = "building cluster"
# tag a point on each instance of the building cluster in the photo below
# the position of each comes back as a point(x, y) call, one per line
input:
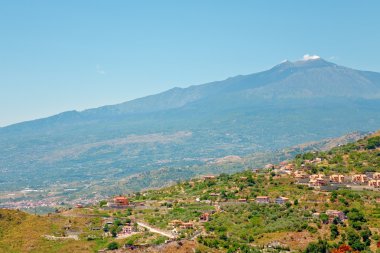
point(126, 228)
point(321, 181)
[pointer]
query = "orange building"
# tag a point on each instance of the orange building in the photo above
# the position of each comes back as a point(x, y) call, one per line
point(120, 201)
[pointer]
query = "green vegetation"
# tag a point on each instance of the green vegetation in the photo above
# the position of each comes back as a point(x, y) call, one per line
point(236, 221)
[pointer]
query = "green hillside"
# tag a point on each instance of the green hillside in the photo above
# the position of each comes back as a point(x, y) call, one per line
point(332, 217)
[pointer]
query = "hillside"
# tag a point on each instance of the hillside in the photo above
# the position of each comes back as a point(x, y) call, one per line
point(280, 208)
point(69, 194)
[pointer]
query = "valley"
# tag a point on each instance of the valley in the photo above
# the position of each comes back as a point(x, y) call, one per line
point(316, 201)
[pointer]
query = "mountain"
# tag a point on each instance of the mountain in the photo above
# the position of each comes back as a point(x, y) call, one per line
point(289, 104)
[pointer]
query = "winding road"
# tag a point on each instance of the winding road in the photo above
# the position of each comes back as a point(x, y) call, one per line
point(155, 230)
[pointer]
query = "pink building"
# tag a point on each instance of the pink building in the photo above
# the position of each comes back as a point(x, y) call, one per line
point(359, 178)
point(337, 178)
point(374, 183)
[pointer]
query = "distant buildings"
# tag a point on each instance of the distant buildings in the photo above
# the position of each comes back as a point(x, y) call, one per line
point(374, 183)
point(359, 178)
point(281, 200)
point(335, 214)
point(337, 178)
point(262, 199)
point(204, 217)
point(187, 225)
point(120, 201)
point(376, 175)
point(317, 180)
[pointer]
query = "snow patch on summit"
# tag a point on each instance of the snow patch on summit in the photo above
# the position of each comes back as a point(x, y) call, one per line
point(308, 57)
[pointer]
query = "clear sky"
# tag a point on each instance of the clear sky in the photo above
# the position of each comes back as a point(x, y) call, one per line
point(72, 55)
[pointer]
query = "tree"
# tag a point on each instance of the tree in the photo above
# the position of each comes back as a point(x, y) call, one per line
point(324, 218)
point(317, 247)
point(102, 203)
point(354, 240)
point(366, 234)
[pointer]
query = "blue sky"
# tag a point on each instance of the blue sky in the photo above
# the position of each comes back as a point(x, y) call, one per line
point(72, 55)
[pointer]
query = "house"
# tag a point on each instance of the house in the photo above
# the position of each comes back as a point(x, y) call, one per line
point(335, 214)
point(337, 178)
point(120, 201)
point(376, 175)
point(359, 178)
point(243, 178)
point(175, 223)
point(317, 182)
point(205, 217)
point(127, 230)
point(209, 177)
point(242, 200)
point(374, 183)
point(315, 176)
point(281, 200)
point(187, 225)
point(300, 175)
point(213, 194)
point(262, 199)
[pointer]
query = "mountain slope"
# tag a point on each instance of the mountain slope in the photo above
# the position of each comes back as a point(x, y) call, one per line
point(292, 103)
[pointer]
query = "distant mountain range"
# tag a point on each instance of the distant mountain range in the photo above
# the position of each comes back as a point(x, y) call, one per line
point(289, 104)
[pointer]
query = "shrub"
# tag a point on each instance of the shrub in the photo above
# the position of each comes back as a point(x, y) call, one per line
point(113, 246)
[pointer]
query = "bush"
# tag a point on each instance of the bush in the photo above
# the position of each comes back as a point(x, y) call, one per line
point(373, 142)
point(334, 231)
point(113, 246)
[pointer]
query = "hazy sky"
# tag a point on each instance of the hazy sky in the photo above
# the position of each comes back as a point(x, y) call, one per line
point(72, 55)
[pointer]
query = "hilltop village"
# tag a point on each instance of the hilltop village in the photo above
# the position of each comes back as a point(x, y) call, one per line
point(318, 202)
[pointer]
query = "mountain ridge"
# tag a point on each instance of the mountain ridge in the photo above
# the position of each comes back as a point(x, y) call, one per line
point(177, 97)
